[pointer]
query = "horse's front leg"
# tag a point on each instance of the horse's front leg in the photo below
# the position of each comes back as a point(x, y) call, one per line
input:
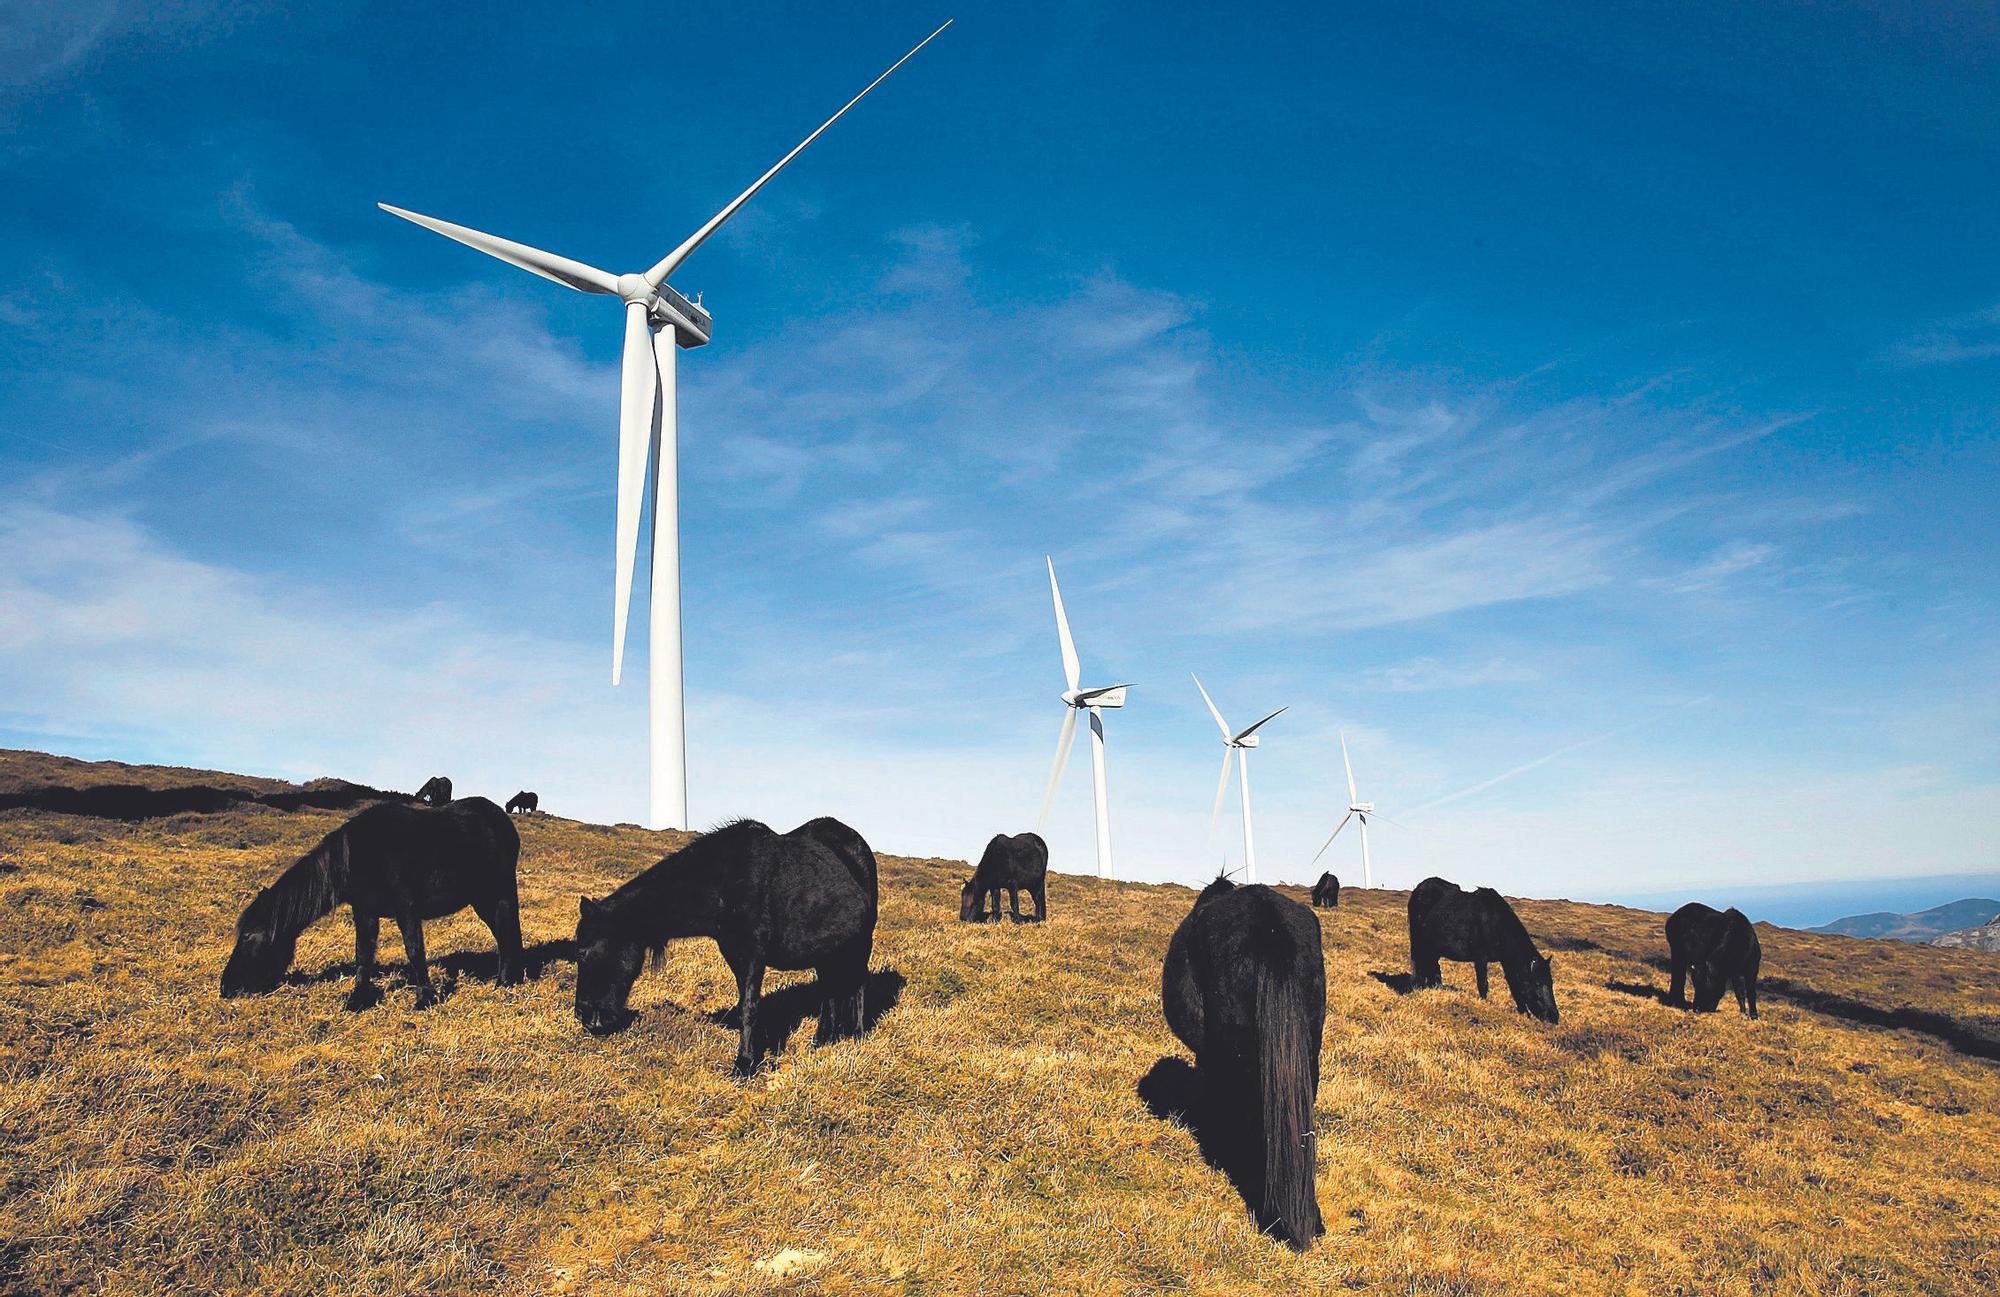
point(418, 973)
point(367, 932)
point(1677, 992)
point(1479, 976)
point(1014, 902)
point(750, 987)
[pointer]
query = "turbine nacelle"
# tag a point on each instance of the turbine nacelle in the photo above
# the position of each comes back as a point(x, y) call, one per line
point(1363, 808)
point(1247, 741)
point(1107, 696)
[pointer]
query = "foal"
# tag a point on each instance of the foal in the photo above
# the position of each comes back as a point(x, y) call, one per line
point(1009, 865)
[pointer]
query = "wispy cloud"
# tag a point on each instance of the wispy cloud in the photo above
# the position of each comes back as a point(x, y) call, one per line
point(1973, 335)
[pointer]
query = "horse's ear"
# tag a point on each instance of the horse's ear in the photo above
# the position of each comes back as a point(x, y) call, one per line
point(586, 908)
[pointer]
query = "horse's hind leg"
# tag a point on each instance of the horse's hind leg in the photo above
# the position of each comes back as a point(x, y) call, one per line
point(1040, 893)
point(1677, 992)
point(1479, 976)
point(1014, 902)
point(750, 984)
point(367, 932)
point(419, 972)
point(502, 917)
point(845, 984)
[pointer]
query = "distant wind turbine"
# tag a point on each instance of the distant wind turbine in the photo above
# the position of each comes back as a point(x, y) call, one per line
point(1359, 811)
point(657, 319)
point(1081, 700)
point(1233, 746)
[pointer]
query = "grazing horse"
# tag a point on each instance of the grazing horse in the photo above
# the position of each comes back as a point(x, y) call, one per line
point(1244, 987)
point(392, 861)
point(1721, 950)
point(1450, 923)
point(804, 899)
point(1326, 893)
point(435, 792)
point(1010, 864)
point(525, 802)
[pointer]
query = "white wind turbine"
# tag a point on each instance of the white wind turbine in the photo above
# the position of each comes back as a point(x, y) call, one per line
point(1359, 811)
point(1232, 745)
point(657, 319)
point(1081, 700)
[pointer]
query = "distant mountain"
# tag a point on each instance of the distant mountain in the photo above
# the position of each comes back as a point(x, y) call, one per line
point(1983, 938)
point(1925, 925)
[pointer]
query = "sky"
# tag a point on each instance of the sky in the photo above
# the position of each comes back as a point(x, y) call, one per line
point(1590, 414)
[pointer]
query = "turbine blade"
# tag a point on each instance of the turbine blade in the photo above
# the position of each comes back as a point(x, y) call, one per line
point(1071, 671)
point(1219, 722)
point(1260, 724)
point(671, 262)
point(1352, 796)
point(1331, 836)
point(639, 389)
point(1377, 815)
point(1221, 788)
point(1055, 772)
point(572, 274)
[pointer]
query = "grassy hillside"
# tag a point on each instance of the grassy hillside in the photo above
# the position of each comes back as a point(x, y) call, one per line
point(989, 1136)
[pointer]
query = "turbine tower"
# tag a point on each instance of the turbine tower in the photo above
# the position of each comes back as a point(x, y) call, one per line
point(1081, 700)
point(1359, 811)
point(657, 320)
point(1234, 745)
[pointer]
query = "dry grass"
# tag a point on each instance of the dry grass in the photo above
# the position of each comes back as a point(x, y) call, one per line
point(987, 1137)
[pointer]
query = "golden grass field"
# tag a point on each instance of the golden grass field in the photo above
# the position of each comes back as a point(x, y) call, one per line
point(988, 1137)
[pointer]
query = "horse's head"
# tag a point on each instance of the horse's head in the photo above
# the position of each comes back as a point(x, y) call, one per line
point(968, 903)
point(1538, 992)
point(261, 956)
point(607, 963)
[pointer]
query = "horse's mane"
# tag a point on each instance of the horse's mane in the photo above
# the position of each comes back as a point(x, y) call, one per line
point(305, 892)
point(1216, 888)
point(1507, 921)
point(624, 907)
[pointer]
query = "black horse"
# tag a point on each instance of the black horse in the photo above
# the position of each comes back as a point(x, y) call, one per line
point(525, 802)
point(1010, 864)
point(1244, 987)
point(1721, 950)
point(804, 899)
point(435, 792)
point(392, 861)
point(1450, 923)
point(1326, 893)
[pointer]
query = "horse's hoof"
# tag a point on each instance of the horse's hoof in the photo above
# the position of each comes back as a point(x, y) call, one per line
point(743, 1069)
point(362, 997)
point(426, 998)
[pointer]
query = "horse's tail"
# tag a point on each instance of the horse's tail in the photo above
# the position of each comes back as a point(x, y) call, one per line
point(1285, 1077)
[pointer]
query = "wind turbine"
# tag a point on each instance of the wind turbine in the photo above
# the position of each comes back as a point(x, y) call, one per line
point(1232, 745)
point(1359, 811)
point(657, 320)
point(1077, 700)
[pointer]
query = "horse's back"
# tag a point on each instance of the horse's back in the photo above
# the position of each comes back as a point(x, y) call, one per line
point(1228, 942)
point(849, 847)
point(808, 901)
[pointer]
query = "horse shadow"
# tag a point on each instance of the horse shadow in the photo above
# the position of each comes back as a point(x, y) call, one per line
point(1643, 990)
point(780, 1012)
point(478, 965)
point(1939, 1027)
point(1400, 983)
point(1171, 1091)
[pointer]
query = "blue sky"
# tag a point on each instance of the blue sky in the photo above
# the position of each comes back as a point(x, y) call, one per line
point(1592, 414)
